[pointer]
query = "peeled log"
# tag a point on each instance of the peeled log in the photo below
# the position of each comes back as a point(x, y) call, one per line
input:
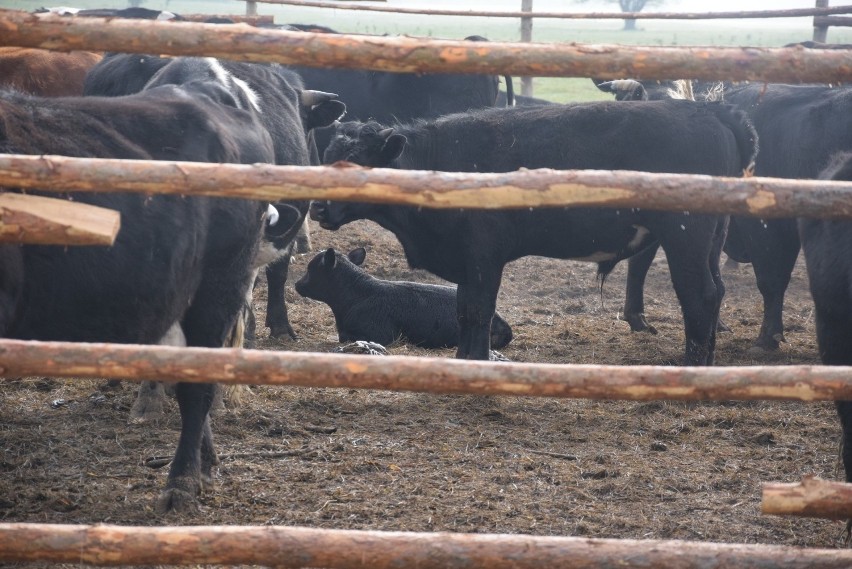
point(761, 197)
point(403, 54)
point(431, 375)
point(51, 221)
point(295, 547)
point(811, 498)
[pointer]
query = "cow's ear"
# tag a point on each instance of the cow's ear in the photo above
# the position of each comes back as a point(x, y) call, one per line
point(325, 113)
point(358, 255)
point(330, 258)
point(393, 147)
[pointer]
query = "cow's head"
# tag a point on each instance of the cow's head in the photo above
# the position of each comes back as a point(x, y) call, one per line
point(366, 144)
point(327, 272)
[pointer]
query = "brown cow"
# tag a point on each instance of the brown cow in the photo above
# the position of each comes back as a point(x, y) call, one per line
point(43, 72)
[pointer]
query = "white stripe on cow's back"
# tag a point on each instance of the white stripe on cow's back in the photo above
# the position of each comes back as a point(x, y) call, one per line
point(253, 98)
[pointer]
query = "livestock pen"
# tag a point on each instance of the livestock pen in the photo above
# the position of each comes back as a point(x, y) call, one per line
point(527, 465)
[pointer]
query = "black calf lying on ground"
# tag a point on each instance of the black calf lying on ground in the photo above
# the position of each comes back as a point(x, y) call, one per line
point(367, 308)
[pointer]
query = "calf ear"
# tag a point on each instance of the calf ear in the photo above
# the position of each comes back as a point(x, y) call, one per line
point(325, 113)
point(330, 258)
point(393, 147)
point(358, 255)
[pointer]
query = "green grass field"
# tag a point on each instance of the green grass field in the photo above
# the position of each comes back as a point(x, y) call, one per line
point(650, 32)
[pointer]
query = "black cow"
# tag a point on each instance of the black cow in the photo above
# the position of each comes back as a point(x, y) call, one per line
point(400, 97)
point(800, 128)
point(121, 74)
point(828, 254)
point(367, 308)
point(176, 259)
point(471, 248)
point(520, 100)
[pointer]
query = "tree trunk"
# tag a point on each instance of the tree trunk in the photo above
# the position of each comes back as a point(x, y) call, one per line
point(629, 25)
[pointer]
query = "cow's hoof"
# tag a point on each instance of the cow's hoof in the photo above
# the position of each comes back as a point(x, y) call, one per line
point(638, 323)
point(177, 501)
point(766, 345)
point(149, 404)
point(282, 331)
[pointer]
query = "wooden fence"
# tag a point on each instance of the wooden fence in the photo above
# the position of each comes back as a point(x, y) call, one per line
point(108, 545)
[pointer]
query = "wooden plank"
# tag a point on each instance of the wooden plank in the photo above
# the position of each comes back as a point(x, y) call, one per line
point(404, 54)
point(429, 375)
point(760, 197)
point(51, 221)
point(812, 498)
point(296, 547)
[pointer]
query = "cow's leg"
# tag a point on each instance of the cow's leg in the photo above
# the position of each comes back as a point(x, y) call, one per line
point(276, 309)
point(714, 260)
point(634, 299)
point(475, 307)
point(689, 254)
point(207, 323)
point(191, 467)
point(151, 397)
point(774, 247)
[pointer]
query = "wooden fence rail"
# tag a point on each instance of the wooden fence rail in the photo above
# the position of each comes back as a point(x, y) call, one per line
point(50, 221)
point(761, 197)
point(432, 375)
point(812, 497)
point(793, 13)
point(403, 54)
point(296, 547)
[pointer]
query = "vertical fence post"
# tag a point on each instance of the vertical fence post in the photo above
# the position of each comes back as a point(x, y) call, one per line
point(820, 32)
point(526, 36)
point(251, 8)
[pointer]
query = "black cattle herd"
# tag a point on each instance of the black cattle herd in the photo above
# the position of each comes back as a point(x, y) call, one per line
point(181, 269)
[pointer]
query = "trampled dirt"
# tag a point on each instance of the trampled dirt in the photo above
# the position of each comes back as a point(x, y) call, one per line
point(403, 461)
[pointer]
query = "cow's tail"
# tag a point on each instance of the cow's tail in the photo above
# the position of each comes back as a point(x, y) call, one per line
point(510, 91)
point(744, 133)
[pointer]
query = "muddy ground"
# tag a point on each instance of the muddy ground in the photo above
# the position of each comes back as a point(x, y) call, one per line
point(402, 461)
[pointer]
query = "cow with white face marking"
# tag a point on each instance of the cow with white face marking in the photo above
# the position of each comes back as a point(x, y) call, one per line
point(213, 79)
point(471, 247)
point(175, 259)
point(258, 86)
point(185, 260)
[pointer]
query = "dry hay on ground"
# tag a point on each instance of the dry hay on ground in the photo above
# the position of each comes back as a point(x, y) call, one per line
point(337, 458)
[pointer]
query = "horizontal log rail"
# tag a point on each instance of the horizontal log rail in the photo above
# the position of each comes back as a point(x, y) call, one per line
point(296, 547)
point(761, 197)
point(811, 498)
point(793, 13)
point(833, 21)
point(50, 221)
point(431, 375)
point(404, 54)
point(266, 19)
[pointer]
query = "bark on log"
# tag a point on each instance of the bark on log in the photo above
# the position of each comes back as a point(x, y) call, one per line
point(238, 19)
point(431, 375)
point(793, 13)
point(295, 547)
point(51, 221)
point(245, 43)
point(759, 197)
point(811, 498)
